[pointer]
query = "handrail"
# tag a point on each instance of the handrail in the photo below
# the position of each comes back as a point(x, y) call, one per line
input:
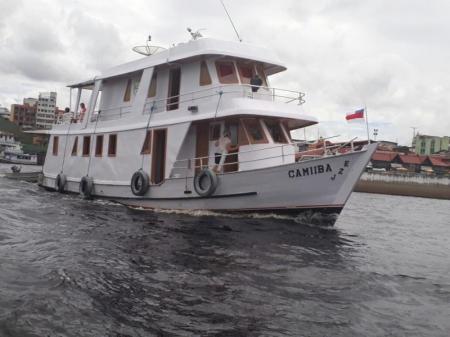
point(220, 90)
point(304, 154)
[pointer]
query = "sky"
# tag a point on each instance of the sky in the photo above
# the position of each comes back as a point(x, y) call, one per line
point(390, 56)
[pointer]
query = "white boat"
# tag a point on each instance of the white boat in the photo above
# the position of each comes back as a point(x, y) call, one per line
point(148, 137)
point(11, 151)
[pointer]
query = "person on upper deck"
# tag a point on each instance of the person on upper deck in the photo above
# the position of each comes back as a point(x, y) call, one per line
point(82, 111)
point(256, 82)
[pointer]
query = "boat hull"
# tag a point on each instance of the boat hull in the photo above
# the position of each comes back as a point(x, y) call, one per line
point(318, 185)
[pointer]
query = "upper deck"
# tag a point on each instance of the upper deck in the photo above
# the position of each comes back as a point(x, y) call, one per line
point(200, 79)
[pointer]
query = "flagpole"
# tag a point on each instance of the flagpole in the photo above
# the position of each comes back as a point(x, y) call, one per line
point(367, 124)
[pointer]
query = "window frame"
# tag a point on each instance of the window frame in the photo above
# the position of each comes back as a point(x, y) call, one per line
point(245, 122)
point(112, 150)
point(86, 152)
point(235, 74)
point(205, 76)
point(74, 152)
point(127, 93)
point(152, 88)
point(99, 150)
point(55, 146)
point(267, 122)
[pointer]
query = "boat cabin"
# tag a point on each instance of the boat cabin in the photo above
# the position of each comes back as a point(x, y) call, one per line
point(170, 111)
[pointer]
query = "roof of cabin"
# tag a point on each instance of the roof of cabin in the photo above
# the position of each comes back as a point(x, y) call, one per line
point(193, 49)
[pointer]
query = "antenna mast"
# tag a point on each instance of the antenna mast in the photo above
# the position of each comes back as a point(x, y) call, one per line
point(231, 21)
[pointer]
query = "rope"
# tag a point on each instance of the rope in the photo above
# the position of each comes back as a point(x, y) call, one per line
point(146, 131)
point(65, 146)
point(218, 103)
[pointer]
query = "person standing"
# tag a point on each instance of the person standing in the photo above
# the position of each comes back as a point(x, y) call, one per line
point(82, 111)
point(222, 146)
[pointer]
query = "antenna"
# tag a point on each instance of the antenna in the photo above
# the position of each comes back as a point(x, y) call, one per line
point(231, 21)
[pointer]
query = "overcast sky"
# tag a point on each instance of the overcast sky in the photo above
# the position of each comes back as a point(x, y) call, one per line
point(389, 55)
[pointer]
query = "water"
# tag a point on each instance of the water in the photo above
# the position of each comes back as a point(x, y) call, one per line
point(70, 267)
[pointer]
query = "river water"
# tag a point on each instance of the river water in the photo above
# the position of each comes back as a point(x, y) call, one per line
point(70, 267)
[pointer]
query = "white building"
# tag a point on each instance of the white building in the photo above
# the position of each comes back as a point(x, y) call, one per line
point(46, 106)
point(4, 112)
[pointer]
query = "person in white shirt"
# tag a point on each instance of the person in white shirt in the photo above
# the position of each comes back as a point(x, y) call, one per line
point(222, 147)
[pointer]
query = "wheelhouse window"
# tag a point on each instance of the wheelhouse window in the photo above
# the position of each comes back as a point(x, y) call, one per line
point(246, 72)
point(86, 145)
point(127, 94)
point(55, 145)
point(226, 72)
point(152, 87)
point(205, 78)
point(75, 147)
point(254, 131)
point(99, 146)
point(147, 146)
point(276, 131)
point(112, 145)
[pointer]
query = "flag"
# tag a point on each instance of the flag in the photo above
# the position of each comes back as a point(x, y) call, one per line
point(358, 114)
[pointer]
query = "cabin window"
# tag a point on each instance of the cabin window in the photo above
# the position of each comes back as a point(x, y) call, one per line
point(152, 87)
point(127, 95)
point(275, 130)
point(246, 72)
point(226, 72)
point(99, 146)
point(254, 131)
point(205, 78)
point(262, 74)
point(147, 146)
point(86, 145)
point(214, 131)
point(75, 147)
point(55, 145)
point(112, 145)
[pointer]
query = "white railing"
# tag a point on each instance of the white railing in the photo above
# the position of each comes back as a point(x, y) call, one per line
point(174, 102)
point(324, 150)
point(238, 90)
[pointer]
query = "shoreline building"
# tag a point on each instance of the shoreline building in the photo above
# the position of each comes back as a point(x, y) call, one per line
point(426, 145)
point(46, 107)
point(24, 114)
point(4, 112)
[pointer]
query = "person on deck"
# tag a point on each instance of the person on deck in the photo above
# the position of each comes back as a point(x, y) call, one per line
point(222, 147)
point(256, 82)
point(82, 111)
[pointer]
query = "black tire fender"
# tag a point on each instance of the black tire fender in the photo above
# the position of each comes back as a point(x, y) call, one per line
point(60, 182)
point(199, 179)
point(86, 187)
point(140, 183)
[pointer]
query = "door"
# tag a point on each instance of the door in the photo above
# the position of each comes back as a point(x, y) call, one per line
point(231, 162)
point(174, 89)
point(159, 155)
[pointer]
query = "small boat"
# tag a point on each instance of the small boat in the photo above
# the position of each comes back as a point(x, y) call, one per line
point(198, 127)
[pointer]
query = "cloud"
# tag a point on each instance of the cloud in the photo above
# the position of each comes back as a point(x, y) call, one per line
point(390, 56)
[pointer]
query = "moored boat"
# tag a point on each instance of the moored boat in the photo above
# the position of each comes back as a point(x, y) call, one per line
point(198, 127)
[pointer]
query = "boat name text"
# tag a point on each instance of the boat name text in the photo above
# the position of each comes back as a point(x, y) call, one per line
point(309, 171)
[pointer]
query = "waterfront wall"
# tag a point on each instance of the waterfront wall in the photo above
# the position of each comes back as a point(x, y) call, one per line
point(407, 185)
